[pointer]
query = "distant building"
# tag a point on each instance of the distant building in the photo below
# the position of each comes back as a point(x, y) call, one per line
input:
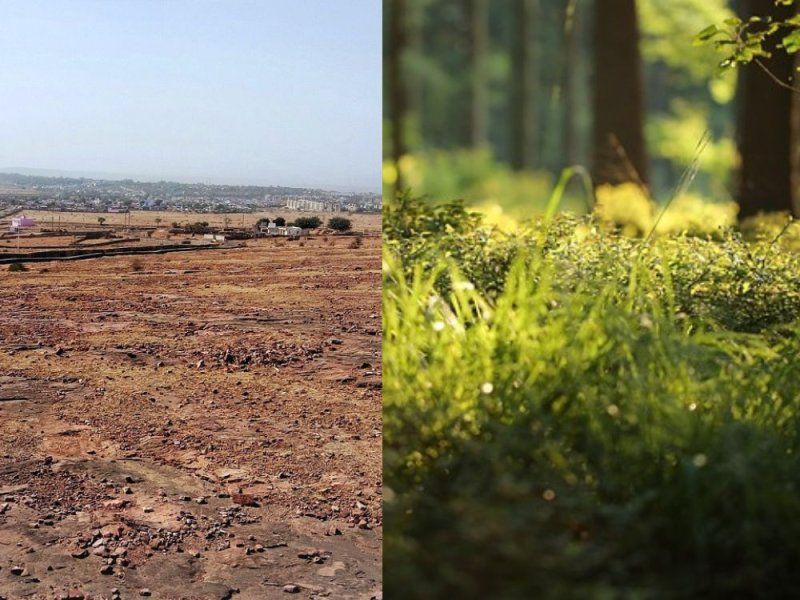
point(305, 204)
point(272, 230)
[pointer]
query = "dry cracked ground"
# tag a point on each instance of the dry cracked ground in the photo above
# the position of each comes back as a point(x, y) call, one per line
point(194, 425)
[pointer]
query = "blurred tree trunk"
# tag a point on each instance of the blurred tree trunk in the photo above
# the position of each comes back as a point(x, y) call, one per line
point(415, 24)
point(620, 154)
point(524, 77)
point(478, 14)
point(768, 125)
point(571, 59)
point(396, 42)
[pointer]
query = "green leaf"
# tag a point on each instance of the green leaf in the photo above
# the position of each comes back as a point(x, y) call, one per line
point(707, 33)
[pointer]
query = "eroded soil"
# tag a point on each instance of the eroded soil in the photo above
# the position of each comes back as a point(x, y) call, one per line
point(198, 425)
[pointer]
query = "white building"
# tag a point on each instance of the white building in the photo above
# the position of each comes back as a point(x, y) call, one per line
point(305, 204)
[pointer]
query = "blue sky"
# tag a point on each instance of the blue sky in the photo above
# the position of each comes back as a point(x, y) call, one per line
point(224, 91)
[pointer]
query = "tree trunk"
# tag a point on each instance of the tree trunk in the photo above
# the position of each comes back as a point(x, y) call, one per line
point(412, 81)
point(478, 12)
point(571, 58)
point(768, 123)
point(620, 154)
point(523, 100)
point(396, 42)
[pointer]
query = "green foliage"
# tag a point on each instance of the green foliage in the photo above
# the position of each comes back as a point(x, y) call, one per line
point(279, 221)
point(340, 224)
point(477, 178)
point(666, 25)
point(307, 222)
point(198, 227)
point(586, 414)
point(673, 138)
point(629, 208)
point(746, 41)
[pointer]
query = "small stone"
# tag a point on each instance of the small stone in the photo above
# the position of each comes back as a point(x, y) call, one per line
point(291, 589)
point(144, 592)
point(107, 570)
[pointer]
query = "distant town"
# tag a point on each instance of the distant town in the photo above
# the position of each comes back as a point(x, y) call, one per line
point(35, 192)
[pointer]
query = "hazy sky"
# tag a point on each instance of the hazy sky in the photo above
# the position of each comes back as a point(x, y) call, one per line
point(283, 92)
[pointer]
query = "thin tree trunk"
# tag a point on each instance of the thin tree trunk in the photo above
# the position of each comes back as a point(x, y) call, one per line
point(398, 102)
point(768, 123)
point(478, 11)
point(620, 154)
point(413, 83)
point(523, 100)
point(571, 58)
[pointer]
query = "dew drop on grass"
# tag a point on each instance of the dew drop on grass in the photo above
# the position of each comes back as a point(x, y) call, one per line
point(549, 495)
point(438, 325)
point(612, 409)
point(700, 460)
point(487, 388)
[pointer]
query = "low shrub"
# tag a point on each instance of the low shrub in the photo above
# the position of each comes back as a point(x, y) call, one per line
point(340, 224)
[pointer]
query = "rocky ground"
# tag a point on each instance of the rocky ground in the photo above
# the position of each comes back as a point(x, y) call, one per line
point(198, 425)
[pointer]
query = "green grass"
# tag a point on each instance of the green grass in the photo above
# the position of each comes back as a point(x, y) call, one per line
point(570, 413)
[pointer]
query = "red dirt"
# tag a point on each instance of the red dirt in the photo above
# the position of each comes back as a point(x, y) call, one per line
point(193, 424)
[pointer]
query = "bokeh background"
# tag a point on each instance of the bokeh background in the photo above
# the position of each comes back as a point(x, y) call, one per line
point(491, 101)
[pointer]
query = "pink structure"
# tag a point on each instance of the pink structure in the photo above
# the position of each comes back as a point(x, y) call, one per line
point(22, 222)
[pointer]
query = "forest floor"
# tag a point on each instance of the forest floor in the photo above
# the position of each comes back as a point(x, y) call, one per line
point(202, 425)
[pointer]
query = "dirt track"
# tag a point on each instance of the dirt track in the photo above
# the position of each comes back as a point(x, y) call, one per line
point(201, 425)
